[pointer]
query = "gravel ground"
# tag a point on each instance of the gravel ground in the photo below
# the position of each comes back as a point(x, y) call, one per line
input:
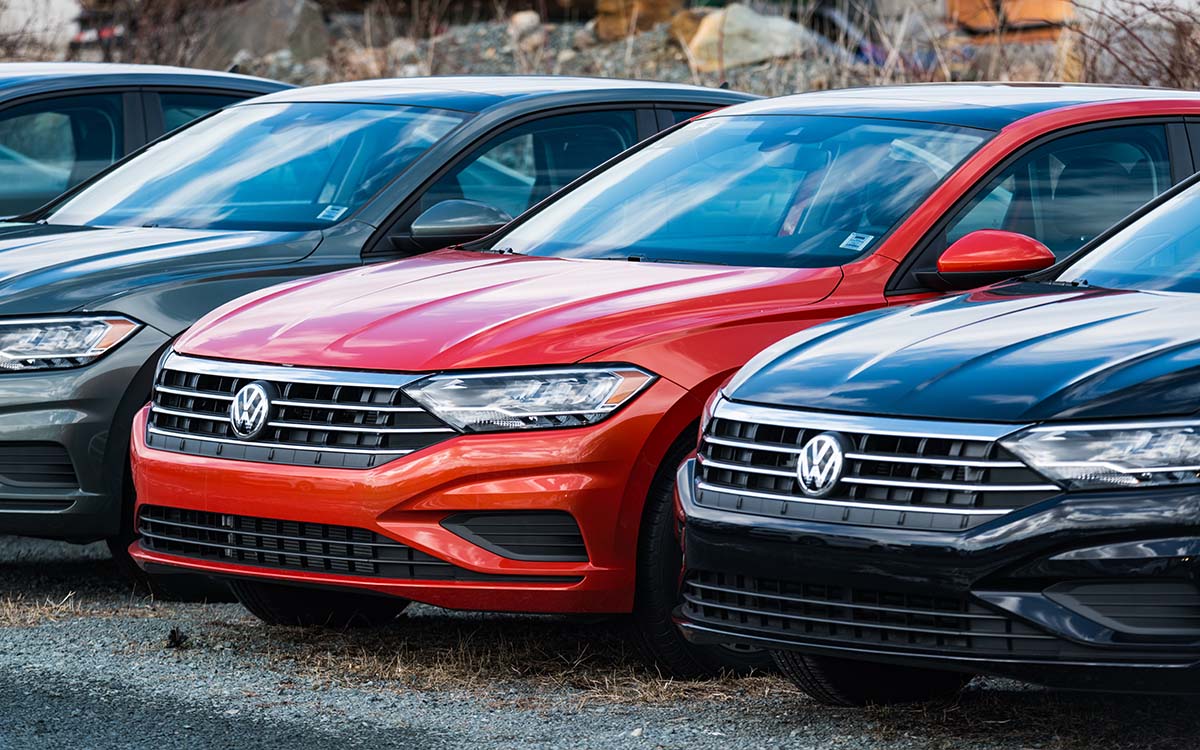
point(85, 662)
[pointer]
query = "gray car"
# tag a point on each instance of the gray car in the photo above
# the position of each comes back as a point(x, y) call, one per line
point(95, 286)
point(61, 123)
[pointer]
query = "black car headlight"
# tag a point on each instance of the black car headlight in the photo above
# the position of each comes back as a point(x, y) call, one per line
point(1112, 456)
point(58, 343)
point(529, 400)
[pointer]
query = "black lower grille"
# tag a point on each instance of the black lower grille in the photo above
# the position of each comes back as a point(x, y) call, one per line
point(297, 545)
point(816, 612)
point(28, 464)
point(1154, 609)
point(552, 536)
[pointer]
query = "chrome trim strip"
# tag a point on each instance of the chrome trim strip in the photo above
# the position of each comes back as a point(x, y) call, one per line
point(192, 394)
point(842, 605)
point(985, 431)
point(348, 407)
point(278, 446)
point(968, 463)
point(188, 414)
point(951, 485)
point(855, 503)
point(321, 427)
point(282, 373)
point(732, 443)
point(747, 469)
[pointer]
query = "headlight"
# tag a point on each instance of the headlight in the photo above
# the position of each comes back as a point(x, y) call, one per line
point(1112, 456)
point(60, 343)
point(533, 400)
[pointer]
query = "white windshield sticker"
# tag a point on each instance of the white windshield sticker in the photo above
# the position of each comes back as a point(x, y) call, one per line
point(856, 242)
point(331, 213)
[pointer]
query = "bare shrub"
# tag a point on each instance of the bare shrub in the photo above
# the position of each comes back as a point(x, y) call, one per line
point(1144, 42)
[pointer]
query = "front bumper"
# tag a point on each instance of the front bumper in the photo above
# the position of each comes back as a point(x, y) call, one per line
point(1092, 592)
point(68, 421)
point(599, 476)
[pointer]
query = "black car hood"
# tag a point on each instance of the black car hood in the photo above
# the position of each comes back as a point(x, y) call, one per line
point(1020, 352)
point(52, 268)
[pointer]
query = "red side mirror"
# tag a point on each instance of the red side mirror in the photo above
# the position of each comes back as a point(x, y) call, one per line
point(986, 256)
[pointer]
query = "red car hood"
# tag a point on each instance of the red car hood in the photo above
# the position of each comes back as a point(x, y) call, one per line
point(457, 309)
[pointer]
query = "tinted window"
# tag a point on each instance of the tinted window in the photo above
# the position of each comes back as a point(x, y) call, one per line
point(50, 145)
point(180, 108)
point(279, 166)
point(1069, 190)
point(529, 162)
point(1160, 251)
point(752, 190)
point(680, 115)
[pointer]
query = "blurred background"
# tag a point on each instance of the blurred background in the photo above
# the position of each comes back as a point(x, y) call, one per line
point(766, 47)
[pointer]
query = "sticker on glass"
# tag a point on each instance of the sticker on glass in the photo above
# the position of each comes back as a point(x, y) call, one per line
point(331, 213)
point(856, 242)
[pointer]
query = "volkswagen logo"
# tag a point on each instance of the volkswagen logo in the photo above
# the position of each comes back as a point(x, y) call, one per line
point(250, 409)
point(820, 466)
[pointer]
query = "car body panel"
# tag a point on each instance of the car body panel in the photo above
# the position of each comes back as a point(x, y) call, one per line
point(1017, 353)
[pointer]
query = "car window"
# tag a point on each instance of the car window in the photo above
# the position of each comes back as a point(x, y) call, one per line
point(529, 162)
point(1067, 191)
point(180, 108)
point(286, 166)
point(682, 115)
point(752, 190)
point(49, 145)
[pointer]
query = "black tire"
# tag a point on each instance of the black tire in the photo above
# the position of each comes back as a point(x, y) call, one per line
point(277, 604)
point(849, 682)
point(659, 563)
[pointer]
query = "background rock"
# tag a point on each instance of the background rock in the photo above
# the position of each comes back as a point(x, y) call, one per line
point(737, 36)
point(263, 27)
point(615, 19)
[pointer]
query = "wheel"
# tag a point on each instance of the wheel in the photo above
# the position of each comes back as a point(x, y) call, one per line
point(848, 682)
point(277, 604)
point(659, 564)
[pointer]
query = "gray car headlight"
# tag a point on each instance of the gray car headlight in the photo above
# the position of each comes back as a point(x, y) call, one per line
point(1112, 456)
point(58, 343)
point(529, 400)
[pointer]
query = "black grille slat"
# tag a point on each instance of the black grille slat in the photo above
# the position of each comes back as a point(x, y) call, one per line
point(36, 464)
point(338, 426)
point(297, 545)
point(523, 535)
point(751, 467)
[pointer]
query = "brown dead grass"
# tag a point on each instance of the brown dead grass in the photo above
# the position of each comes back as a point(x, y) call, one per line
point(20, 611)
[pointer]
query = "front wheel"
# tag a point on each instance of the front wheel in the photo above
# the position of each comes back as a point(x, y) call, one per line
point(848, 682)
point(660, 562)
point(277, 604)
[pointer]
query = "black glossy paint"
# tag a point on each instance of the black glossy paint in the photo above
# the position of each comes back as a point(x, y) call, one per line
point(169, 278)
point(1020, 352)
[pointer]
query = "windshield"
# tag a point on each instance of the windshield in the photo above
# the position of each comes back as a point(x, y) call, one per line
point(287, 166)
point(771, 190)
point(1158, 252)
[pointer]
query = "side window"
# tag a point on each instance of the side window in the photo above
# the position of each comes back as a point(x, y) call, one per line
point(49, 145)
point(679, 115)
point(180, 108)
point(527, 163)
point(1071, 189)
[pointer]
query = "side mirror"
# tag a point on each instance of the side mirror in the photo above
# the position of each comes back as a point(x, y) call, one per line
point(987, 256)
point(454, 222)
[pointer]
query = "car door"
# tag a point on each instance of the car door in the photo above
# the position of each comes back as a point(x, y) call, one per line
point(524, 164)
point(52, 143)
point(1063, 190)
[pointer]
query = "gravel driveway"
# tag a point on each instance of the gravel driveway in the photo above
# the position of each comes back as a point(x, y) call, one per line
point(86, 663)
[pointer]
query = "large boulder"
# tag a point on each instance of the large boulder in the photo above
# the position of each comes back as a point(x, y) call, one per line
point(616, 19)
point(262, 27)
point(738, 36)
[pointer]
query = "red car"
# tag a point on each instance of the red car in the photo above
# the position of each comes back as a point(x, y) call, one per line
point(498, 426)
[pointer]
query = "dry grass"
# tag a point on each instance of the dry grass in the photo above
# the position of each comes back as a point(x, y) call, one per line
point(20, 611)
point(585, 662)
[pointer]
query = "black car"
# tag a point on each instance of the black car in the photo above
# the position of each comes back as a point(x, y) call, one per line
point(94, 287)
point(1005, 482)
point(61, 123)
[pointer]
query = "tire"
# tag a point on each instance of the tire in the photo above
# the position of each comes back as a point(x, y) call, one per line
point(848, 682)
point(658, 566)
point(277, 604)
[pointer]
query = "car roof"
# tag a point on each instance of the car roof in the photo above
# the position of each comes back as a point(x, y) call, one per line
point(979, 105)
point(57, 75)
point(477, 93)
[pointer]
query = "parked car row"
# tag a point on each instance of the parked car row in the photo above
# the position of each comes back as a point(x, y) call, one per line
point(882, 504)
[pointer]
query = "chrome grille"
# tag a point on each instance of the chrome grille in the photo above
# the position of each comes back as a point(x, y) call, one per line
point(905, 473)
point(350, 420)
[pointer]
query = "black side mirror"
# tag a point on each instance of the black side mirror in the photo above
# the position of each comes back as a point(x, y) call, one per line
point(454, 222)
